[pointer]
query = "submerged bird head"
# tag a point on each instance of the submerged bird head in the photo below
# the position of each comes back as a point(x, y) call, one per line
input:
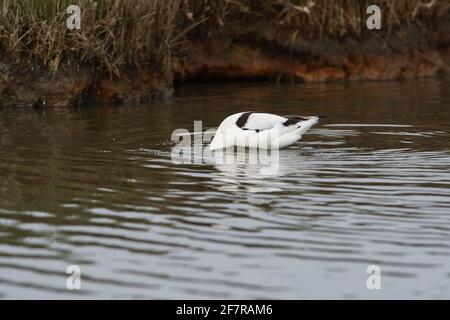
point(220, 140)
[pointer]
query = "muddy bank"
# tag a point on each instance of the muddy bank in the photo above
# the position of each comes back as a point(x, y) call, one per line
point(71, 87)
point(239, 59)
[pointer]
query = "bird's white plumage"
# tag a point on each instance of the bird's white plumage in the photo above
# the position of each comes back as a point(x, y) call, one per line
point(260, 130)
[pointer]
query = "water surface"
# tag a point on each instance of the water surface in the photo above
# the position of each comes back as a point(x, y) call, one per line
point(96, 187)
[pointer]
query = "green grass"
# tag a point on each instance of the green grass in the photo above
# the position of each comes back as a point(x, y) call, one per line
point(147, 33)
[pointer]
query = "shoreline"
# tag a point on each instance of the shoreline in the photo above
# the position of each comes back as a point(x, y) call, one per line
point(71, 87)
point(185, 42)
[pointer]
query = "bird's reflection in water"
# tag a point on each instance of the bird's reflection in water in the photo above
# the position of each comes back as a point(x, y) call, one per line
point(250, 169)
point(253, 170)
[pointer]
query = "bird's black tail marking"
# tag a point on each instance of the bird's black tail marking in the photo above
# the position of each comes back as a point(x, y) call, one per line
point(293, 120)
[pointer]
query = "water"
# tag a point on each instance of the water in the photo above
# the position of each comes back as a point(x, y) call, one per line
point(96, 187)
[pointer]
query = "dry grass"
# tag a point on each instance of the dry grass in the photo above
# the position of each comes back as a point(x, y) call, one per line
point(114, 34)
point(145, 33)
point(315, 18)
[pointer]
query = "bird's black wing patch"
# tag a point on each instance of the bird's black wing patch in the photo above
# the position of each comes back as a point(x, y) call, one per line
point(256, 130)
point(243, 119)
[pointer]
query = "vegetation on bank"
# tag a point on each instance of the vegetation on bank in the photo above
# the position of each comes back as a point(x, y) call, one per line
point(123, 34)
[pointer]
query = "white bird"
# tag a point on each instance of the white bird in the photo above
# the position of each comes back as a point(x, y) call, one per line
point(260, 130)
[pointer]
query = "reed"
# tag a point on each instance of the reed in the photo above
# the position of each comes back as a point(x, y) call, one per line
point(120, 34)
point(315, 18)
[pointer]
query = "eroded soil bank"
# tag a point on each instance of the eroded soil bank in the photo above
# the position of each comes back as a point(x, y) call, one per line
point(246, 62)
point(376, 58)
point(265, 52)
